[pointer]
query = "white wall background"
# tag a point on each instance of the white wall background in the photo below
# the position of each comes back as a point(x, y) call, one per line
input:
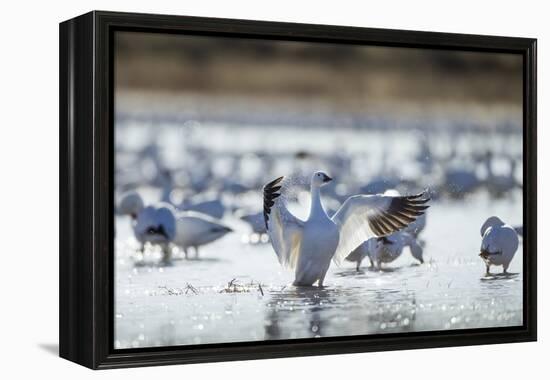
point(29, 167)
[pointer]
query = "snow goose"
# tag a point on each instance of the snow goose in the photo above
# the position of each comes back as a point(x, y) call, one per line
point(308, 246)
point(155, 224)
point(386, 249)
point(161, 224)
point(194, 230)
point(499, 243)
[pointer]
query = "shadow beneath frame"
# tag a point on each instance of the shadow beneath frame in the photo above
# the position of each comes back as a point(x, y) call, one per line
point(51, 348)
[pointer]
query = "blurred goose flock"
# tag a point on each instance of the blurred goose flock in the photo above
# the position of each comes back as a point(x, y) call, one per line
point(243, 217)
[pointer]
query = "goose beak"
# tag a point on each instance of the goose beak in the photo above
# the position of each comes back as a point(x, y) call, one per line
point(326, 178)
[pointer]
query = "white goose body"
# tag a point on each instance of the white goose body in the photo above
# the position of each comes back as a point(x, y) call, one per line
point(161, 224)
point(386, 249)
point(319, 242)
point(155, 224)
point(308, 246)
point(499, 243)
point(194, 229)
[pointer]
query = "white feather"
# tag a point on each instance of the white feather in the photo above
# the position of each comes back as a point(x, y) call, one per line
point(309, 246)
point(500, 242)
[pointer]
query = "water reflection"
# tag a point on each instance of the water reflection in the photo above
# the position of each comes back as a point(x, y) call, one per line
point(499, 277)
point(313, 313)
point(298, 312)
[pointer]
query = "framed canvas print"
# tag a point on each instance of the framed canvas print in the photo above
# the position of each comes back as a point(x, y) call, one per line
point(237, 189)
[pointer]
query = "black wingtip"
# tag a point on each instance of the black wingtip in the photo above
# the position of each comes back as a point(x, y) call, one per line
point(402, 211)
point(271, 192)
point(273, 183)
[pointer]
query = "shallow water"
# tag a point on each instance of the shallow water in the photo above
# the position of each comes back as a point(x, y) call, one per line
point(190, 302)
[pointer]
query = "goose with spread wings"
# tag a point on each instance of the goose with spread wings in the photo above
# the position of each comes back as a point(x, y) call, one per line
point(308, 246)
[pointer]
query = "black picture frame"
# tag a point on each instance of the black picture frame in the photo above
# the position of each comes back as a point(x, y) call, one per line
point(86, 189)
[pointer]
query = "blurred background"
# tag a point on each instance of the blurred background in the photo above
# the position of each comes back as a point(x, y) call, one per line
point(203, 123)
point(433, 104)
point(350, 76)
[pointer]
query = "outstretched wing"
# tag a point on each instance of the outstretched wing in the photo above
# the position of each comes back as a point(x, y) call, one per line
point(365, 216)
point(284, 229)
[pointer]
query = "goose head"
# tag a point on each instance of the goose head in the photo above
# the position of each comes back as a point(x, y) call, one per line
point(417, 252)
point(130, 204)
point(493, 221)
point(320, 179)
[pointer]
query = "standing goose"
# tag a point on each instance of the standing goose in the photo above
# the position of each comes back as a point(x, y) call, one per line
point(155, 224)
point(161, 224)
point(386, 249)
point(194, 229)
point(499, 243)
point(308, 246)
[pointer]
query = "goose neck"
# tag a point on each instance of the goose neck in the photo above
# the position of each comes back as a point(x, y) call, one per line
point(316, 206)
